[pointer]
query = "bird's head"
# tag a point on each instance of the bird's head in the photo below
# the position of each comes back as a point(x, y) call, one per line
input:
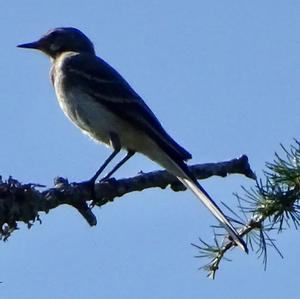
point(59, 40)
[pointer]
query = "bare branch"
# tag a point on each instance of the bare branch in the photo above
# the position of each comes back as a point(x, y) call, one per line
point(23, 202)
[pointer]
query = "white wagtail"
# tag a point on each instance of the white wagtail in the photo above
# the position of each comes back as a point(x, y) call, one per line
point(98, 100)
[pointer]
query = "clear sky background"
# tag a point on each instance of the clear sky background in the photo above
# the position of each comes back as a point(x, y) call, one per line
point(222, 76)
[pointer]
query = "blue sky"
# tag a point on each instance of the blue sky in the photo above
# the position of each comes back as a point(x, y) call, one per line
point(222, 76)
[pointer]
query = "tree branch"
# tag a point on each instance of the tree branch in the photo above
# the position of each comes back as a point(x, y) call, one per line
point(23, 202)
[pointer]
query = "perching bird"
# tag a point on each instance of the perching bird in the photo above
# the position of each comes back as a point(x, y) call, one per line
point(98, 100)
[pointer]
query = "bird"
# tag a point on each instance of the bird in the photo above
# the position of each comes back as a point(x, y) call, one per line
point(102, 104)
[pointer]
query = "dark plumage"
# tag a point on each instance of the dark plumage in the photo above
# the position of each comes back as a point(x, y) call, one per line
point(97, 99)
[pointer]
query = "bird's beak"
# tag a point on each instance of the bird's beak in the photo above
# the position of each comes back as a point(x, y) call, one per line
point(33, 45)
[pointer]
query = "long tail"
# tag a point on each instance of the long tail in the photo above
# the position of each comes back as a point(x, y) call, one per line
point(191, 183)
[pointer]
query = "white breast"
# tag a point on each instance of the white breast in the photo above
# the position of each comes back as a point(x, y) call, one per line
point(80, 108)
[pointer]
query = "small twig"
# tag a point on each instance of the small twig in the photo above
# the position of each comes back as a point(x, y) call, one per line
point(217, 253)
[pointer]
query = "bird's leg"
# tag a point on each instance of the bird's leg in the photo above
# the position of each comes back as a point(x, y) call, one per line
point(116, 145)
point(90, 184)
point(129, 154)
point(103, 166)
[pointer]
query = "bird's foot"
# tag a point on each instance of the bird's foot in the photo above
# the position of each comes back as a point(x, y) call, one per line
point(89, 186)
point(107, 180)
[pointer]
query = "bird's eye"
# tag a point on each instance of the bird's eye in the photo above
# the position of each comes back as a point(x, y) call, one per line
point(54, 47)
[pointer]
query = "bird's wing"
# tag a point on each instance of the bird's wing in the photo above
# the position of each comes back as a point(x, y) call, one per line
point(108, 87)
